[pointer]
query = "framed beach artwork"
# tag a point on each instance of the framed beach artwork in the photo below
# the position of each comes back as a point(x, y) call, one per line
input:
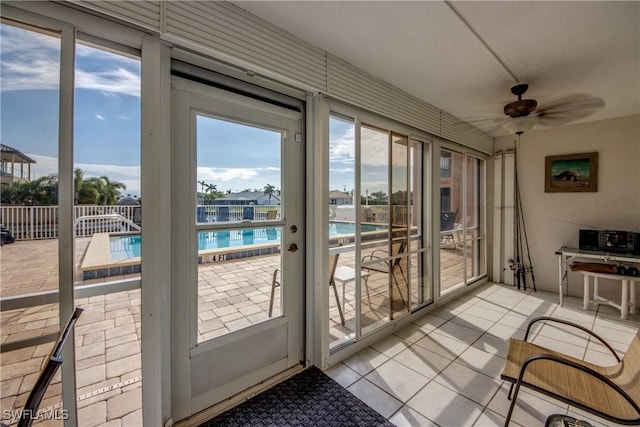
point(571, 173)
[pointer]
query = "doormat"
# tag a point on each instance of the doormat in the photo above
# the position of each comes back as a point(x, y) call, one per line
point(309, 398)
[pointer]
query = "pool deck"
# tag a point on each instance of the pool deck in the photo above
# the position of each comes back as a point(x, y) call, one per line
point(108, 334)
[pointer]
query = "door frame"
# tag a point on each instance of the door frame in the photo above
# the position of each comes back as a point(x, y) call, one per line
point(191, 391)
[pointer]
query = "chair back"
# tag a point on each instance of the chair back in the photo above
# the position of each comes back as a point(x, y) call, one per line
point(629, 375)
point(30, 411)
point(447, 220)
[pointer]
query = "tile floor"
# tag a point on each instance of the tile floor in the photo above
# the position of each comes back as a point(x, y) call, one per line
point(444, 369)
point(441, 370)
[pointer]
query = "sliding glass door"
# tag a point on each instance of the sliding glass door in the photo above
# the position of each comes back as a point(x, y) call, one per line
point(462, 238)
point(378, 269)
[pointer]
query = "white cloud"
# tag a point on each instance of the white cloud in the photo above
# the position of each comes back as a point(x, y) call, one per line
point(238, 179)
point(117, 81)
point(226, 174)
point(32, 61)
point(231, 174)
point(99, 117)
point(375, 151)
point(342, 147)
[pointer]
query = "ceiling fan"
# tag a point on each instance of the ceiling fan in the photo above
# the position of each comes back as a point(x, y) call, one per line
point(523, 114)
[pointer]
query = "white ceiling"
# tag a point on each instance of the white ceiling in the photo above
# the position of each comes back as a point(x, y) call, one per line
point(463, 57)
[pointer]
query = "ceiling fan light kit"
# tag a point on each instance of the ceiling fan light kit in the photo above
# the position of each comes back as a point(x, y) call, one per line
point(520, 125)
point(523, 114)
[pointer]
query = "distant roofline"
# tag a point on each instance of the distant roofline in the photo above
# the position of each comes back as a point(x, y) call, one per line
point(10, 150)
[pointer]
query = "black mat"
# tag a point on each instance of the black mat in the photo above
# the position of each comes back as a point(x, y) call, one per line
point(309, 398)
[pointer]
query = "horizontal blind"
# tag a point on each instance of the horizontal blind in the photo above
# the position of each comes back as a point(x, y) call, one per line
point(462, 132)
point(232, 31)
point(352, 85)
point(143, 13)
point(235, 33)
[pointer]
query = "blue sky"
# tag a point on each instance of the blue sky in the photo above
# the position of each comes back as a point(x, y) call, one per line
point(374, 158)
point(107, 123)
point(107, 106)
point(225, 150)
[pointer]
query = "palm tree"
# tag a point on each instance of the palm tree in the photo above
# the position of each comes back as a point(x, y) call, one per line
point(269, 190)
point(111, 190)
point(94, 190)
point(86, 191)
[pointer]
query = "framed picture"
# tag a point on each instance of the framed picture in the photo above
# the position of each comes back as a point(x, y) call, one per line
point(571, 173)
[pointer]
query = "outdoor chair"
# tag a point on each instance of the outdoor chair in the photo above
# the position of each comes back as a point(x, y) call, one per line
point(333, 263)
point(610, 392)
point(379, 260)
point(452, 237)
point(30, 412)
point(447, 223)
point(274, 283)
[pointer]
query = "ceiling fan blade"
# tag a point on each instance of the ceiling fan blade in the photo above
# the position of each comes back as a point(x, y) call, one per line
point(569, 108)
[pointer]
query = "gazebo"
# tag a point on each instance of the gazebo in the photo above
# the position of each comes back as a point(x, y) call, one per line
point(13, 165)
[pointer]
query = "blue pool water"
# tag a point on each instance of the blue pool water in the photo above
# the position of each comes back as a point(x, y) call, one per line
point(128, 246)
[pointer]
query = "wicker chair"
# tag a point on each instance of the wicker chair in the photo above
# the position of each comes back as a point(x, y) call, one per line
point(610, 392)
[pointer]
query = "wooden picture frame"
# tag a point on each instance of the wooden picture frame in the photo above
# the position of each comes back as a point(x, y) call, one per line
point(571, 173)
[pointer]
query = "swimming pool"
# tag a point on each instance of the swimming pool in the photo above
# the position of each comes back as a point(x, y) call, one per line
point(113, 254)
point(128, 246)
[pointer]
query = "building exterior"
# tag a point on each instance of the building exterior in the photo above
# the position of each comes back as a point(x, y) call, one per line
point(337, 197)
point(247, 198)
point(16, 166)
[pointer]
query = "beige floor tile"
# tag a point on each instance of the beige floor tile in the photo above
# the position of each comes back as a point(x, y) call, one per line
point(444, 406)
point(379, 400)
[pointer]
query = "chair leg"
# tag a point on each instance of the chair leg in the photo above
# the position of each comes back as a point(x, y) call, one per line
point(510, 391)
point(366, 288)
point(274, 281)
point(513, 402)
point(398, 286)
point(335, 292)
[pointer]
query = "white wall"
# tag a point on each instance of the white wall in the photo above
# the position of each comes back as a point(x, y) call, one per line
point(554, 219)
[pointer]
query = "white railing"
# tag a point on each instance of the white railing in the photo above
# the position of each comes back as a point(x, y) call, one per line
point(107, 223)
point(224, 213)
point(41, 222)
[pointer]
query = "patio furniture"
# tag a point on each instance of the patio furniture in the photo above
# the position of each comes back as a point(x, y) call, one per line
point(447, 223)
point(30, 411)
point(274, 283)
point(610, 392)
point(381, 260)
point(333, 262)
point(452, 238)
point(345, 274)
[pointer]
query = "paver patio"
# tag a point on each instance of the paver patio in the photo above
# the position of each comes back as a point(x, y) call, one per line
point(108, 333)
